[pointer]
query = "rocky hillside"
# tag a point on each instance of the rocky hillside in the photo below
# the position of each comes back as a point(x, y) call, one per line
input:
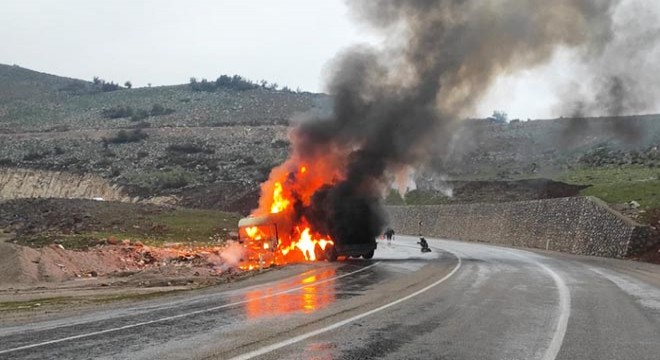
point(486, 150)
point(207, 148)
point(212, 147)
point(35, 102)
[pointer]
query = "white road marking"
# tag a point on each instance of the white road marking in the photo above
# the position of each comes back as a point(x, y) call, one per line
point(168, 318)
point(564, 314)
point(647, 296)
point(293, 340)
point(564, 308)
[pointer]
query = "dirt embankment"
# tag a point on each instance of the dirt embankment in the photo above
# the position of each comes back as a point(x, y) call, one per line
point(16, 183)
point(25, 183)
point(121, 264)
point(82, 249)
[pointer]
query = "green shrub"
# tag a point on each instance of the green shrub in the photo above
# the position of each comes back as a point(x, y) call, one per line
point(124, 137)
point(104, 86)
point(235, 82)
point(117, 112)
point(158, 110)
point(139, 115)
point(35, 155)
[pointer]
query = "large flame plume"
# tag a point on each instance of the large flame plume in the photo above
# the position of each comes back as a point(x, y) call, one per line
point(395, 106)
point(284, 198)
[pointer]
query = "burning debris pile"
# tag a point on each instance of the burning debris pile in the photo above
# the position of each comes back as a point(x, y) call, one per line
point(395, 106)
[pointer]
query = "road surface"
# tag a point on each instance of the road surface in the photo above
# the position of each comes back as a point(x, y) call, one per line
point(462, 301)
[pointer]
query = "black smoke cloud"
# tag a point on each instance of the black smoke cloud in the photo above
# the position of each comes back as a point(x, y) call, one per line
point(392, 104)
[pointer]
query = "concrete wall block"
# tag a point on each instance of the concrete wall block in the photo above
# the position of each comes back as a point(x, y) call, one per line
point(577, 225)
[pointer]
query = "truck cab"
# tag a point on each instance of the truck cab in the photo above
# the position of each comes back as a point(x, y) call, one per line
point(259, 236)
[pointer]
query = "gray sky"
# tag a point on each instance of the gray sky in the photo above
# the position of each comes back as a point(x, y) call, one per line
point(165, 42)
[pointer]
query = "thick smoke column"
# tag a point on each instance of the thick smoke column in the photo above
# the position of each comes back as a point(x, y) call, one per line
point(391, 105)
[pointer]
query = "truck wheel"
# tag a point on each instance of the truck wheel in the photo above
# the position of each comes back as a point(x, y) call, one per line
point(331, 253)
point(368, 255)
point(319, 253)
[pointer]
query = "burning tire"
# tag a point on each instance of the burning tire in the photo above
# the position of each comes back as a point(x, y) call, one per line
point(368, 255)
point(331, 253)
point(319, 253)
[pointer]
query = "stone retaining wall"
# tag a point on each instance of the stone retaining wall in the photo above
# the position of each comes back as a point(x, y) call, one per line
point(576, 225)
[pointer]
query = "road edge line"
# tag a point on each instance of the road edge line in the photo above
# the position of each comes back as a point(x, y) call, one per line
point(299, 338)
point(173, 317)
point(564, 306)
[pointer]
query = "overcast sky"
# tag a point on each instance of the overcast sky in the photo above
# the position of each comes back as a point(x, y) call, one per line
point(165, 42)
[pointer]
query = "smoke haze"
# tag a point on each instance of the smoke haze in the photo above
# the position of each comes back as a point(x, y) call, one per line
point(393, 104)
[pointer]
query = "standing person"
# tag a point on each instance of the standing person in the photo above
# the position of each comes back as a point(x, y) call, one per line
point(389, 234)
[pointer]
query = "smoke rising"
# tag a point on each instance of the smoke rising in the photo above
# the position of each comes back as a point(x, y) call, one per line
point(231, 255)
point(395, 103)
point(620, 78)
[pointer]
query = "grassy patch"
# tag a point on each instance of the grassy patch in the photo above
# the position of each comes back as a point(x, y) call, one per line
point(70, 242)
point(611, 175)
point(196, 225)
point(34, 304)
point(619, 184)
point(170, 178)
point(181, 225)
point(134, 296)
point(202, 227)
point(418, 197)
point(70, 300)
point(647, 194)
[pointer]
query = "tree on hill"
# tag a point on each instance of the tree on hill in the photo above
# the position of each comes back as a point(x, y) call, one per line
point(104, 86)
point(499, 117)
point(235, 82)
point(128, 84)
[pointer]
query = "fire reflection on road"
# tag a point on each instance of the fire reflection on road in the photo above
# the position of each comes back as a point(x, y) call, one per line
point(312, 293)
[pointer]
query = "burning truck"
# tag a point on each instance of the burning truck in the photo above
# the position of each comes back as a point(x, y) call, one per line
point(260, 236)
point(288, 227)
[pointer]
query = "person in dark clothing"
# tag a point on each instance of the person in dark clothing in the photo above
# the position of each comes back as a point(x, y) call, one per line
point(389, 234)
point(425, 245)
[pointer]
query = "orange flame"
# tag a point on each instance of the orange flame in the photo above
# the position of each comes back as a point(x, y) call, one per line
point(279, 202)
point(254, 233)
point(290, 185)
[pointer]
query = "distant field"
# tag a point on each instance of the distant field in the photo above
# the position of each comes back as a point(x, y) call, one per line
point(619, 184)
point(77, 224)
point(187, 226)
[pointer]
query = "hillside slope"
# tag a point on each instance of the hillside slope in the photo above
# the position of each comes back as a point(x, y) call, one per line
point(212, 149)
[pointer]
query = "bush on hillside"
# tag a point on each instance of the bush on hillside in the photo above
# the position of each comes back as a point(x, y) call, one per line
point(35, 155)
point(158, 110)
point(124, 137)
point(139, 115)
point(235, 82)
point(203, 85)
point(117, 112)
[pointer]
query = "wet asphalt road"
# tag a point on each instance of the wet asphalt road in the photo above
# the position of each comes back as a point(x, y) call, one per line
point(463, 301)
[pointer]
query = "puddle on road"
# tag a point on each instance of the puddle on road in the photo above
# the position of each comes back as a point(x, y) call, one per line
point(312, 293)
